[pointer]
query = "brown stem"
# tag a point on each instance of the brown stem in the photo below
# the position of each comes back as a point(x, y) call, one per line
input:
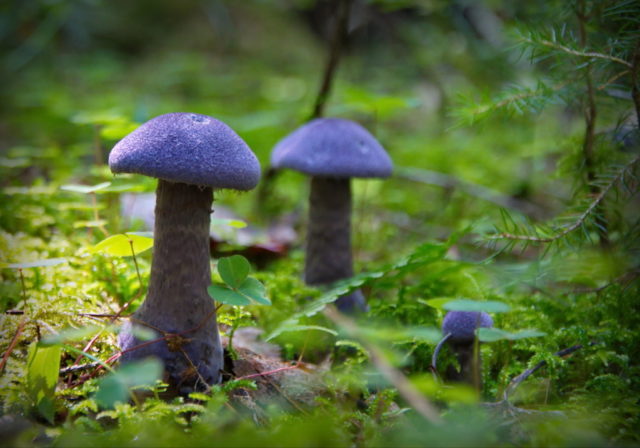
point(590, 115)
point(635, 80)
point(329, 256)
point(177, 298)
point(337, 40)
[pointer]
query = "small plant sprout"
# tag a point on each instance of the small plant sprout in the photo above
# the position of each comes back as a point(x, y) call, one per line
point(191, 155)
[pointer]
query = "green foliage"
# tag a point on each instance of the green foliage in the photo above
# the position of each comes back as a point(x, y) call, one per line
point(124, 245)
point(240, 289)
point(512, 124)
point(43, 363)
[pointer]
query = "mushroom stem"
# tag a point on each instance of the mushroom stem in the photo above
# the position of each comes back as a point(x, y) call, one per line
point(177, 300)
point(469, 362)
point(329, 238)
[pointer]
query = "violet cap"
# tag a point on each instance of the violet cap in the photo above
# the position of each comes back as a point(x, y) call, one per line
point(187, 148)
point(462, 324)
point(332, 147)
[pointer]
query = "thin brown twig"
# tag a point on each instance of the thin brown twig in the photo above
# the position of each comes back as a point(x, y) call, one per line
point(12, 344)
point(268, 372)
point(515, 382)
point(337, 40)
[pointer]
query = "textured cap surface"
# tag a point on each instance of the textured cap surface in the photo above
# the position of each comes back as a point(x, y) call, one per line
point(189, 148)
point(332, 147)
point(462, 324)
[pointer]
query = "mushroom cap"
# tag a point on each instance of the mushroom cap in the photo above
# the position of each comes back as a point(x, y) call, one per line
point(188, 148)
point(462, 324)
point(332, 147)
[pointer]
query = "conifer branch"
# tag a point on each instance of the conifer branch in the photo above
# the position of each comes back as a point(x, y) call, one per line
point(573, 52)
point(581, 219)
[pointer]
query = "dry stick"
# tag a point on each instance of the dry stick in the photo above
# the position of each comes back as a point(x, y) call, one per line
point(590, 115)
point(13, 343)
point(581, 218)
point(635, 80)
point(337, 40)
point(407, 390)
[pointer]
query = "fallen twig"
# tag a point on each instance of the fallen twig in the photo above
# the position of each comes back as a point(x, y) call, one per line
point(12, 344)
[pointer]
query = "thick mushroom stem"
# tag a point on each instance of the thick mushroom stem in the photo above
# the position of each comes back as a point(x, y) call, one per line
point(329, 238)
point(469, 371)
point(177, 301)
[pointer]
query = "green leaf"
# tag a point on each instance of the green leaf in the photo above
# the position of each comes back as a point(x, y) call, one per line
point(294, 328)
point(437, 303)
point(227, 296)
point(255, 290)
point(234, 270)
point(70, 334)
point(120, 245)
point(85, 189)
point(235, 223)
point(115, 387)
point(43, 365)
point(37, 263)
point(490, 306)
point(497, 334)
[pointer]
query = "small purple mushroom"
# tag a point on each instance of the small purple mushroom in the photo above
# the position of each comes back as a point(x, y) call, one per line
point(191, 155)
point(331, 151)
point(459, 330)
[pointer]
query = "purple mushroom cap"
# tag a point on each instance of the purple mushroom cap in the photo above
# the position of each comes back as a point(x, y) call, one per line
point(187, 148)
point(462, 324)
point(332, 147)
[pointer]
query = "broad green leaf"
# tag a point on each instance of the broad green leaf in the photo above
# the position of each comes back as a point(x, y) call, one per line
point(255, 290)
point(497, 334)
point(490, 306)
point(227, 296)
point(43, 365)
point(120, 245)
point(85, 189)
point(71, 334)
point(234, 270)
point(37, 263)
point(115, 387)
point(437, 303)
point(294, 328)
point(235, 223)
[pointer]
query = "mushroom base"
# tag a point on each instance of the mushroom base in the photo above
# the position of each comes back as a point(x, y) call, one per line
point(177, 306)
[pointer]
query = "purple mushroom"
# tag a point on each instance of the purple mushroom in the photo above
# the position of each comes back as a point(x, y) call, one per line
point(331, 151)
point(191, 155)
point(459, 330)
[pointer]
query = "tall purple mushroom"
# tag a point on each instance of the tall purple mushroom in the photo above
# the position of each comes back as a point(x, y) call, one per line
point(191, 155)
point(331, 151)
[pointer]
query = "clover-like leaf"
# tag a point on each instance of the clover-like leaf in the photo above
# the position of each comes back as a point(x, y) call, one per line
point(255, 290)
point(234, 270)
point(227, 296)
